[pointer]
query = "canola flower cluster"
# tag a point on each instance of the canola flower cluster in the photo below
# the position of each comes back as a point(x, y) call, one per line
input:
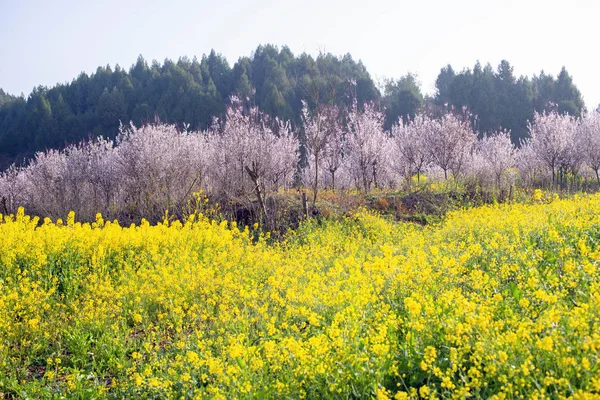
point(495, 302)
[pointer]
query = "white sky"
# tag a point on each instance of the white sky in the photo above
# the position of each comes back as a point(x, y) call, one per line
point(46, 42)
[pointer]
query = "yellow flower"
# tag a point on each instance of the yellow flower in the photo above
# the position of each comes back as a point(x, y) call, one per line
point(137, 318)
point(546, 343)
point(34, 322)
point(138, 379)
point(382, 394)
point(401, 395)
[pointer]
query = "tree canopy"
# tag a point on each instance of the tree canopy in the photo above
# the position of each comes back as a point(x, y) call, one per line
point(500, 99)
point(190, 92)
point(193, 92)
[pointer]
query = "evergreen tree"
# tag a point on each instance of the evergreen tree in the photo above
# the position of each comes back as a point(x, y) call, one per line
point(402, 98)
point(567, 96)
point(274, 79)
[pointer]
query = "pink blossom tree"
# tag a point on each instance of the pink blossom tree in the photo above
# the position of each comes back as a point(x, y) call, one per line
point(45, 187)
point(367, 144)
point(497, 153)
point(12, 189)
point(334, 149)
point(552, 140)
point(159, 166)
point(588, 141)
point(323, 135)
point(411, 144)
point(251, 145)
point(450, 142)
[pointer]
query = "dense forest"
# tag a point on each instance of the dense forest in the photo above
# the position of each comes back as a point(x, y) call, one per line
point(277, 81)
point(500, 99)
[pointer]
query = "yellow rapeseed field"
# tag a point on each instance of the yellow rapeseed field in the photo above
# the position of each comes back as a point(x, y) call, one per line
point(494, 302)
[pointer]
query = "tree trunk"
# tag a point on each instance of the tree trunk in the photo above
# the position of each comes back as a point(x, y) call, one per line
point(332, 179)
point(316, 183)
point(364, 176)
point(304, 205)
point(374, 174)
point(4, 207)
point(254, 177)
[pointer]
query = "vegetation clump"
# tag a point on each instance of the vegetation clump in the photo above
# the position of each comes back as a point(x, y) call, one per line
point(497, 301)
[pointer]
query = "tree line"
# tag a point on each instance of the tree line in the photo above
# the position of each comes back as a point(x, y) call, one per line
point(247, 156)
point(193, 92)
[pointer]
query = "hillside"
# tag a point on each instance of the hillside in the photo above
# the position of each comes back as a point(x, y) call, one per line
point(276, 80)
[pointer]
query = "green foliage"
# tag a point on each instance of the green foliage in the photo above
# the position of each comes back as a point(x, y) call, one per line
point(402, 99)
point(184, 92)
point(499, 99)
point(195, 91)
point(5, 98)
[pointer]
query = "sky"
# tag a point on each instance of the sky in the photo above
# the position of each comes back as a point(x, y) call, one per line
point(50, 42)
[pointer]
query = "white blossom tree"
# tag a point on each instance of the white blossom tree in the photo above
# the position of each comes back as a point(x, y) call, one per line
point(12, 189)
point(333, 153)
point(450, 142)
point(529, 166)
point(247, 156)
point(323, 141)
point(158, 166)
point(588, 141)
point(367, 144)
point(552, 140)
point(498, 154)
point(45, 184)
point(411, 144)
point(250, 144)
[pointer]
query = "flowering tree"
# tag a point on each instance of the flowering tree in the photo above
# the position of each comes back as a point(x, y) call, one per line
point(154, 168)
point(56, 182)
point(498, 154)
point(159, 167)
point(588, 141)
point(250, 144)
point(367, 144)
point(335, 146)
point(552, 140)
point(450, 142)
point(91, 177)
point(44, 189)
point(12, 189)
point(529, 166)
point(411, 144)
point(323, 140)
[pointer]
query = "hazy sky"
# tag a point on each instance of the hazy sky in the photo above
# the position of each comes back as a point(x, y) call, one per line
point(45, 42)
